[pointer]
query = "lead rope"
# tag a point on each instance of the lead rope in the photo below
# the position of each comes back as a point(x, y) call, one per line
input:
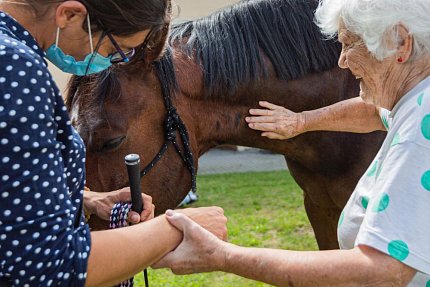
point(118, 219)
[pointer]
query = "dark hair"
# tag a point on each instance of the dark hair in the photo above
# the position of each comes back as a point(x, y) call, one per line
point(126, 17)
point(119, 17)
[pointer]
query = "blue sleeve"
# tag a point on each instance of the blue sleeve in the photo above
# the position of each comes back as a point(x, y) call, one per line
point(39, 245)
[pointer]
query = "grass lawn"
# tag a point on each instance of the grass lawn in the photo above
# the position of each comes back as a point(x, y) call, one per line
point(264, 210)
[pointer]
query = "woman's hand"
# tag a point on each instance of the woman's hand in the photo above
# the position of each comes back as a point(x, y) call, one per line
point(101, 203)
point(276, 122)
point(199, 251)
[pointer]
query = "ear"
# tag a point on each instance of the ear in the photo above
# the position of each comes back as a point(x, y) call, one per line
point(156, 45)
point(405, 43)
point(70, 13)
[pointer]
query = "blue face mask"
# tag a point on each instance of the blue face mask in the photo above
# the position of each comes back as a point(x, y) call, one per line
point(92, 64)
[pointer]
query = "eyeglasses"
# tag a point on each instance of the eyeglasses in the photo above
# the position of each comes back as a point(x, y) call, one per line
point(119, 56)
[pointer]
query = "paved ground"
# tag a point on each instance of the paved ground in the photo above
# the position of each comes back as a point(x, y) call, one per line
point(224, 161)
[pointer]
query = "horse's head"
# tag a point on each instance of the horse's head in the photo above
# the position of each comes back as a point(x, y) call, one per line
point(122, 111)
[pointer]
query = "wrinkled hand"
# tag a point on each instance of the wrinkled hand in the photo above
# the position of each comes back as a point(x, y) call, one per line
point(101, 203)
point(199, 251)
point(210, 218)
point(276, 122)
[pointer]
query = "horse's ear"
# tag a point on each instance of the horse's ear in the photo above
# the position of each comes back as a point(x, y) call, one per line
point(156, 45)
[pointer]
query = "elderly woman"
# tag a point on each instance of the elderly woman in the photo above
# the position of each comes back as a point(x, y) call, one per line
point(384, 231)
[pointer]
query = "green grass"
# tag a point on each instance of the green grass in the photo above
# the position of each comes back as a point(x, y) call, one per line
point(264, 210)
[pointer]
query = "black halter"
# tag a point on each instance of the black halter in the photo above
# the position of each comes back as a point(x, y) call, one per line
point(173, 125)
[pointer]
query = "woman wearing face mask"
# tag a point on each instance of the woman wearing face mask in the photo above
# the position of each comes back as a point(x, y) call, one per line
point(43, 238)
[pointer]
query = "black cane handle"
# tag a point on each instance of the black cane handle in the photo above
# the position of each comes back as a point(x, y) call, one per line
point(132, 161)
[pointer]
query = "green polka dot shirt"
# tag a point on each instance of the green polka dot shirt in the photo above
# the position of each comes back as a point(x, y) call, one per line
point(390, 207)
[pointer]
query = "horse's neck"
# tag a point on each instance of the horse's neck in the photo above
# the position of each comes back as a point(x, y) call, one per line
point(218, 120)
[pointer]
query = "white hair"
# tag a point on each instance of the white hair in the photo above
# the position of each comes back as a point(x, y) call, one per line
point(375, 21)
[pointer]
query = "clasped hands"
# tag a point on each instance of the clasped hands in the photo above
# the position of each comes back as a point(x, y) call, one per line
point(203, 247)
point(204, 229)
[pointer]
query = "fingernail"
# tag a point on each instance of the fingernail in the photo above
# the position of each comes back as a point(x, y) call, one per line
point(170, 212)
point(135, 218)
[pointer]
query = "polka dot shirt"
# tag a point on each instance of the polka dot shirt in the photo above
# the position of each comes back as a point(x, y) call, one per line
point(390, 207)
point(41, 171)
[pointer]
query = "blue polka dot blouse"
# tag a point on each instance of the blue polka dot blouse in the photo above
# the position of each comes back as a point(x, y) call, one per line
point(41, 171)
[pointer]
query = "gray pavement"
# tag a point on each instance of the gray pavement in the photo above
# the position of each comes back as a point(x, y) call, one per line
point(224, 161)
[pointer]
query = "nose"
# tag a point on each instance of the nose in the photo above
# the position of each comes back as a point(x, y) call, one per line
point(342, 63)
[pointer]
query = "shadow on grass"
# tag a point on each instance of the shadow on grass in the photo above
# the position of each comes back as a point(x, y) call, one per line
point(264, 209)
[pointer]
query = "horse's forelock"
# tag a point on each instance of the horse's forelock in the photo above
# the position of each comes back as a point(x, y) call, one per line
point(93, 90)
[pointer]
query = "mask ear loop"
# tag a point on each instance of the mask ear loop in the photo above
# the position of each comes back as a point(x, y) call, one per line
point(93, 52)
point(57, 37)
point(90, 33)
point(91, 44)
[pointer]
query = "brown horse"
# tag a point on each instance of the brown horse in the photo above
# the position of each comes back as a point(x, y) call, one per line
point(215, 69)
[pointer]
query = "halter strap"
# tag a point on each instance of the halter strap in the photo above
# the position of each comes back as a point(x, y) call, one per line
point(174, 125)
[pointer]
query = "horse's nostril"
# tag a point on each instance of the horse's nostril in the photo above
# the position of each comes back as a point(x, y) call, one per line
point(112, 144)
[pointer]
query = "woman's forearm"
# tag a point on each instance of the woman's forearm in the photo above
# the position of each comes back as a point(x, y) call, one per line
point(362, 266)
point(352, 115)
point(118, 254)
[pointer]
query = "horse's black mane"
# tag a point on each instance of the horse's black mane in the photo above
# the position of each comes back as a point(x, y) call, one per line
point(231, 44)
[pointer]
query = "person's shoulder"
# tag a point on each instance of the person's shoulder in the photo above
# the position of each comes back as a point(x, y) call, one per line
point(24, 76)
point(18, 53)
point(20, 65)
point(411, 122)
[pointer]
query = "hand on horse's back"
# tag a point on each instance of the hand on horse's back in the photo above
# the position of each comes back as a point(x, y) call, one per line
point(276, 122)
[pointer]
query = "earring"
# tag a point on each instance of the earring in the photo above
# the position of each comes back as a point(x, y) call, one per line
point(400, 59)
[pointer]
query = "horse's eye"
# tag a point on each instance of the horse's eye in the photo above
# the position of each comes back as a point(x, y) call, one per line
point(112, 144)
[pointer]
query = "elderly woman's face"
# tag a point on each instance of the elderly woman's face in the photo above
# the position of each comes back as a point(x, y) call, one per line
point(371, 72)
